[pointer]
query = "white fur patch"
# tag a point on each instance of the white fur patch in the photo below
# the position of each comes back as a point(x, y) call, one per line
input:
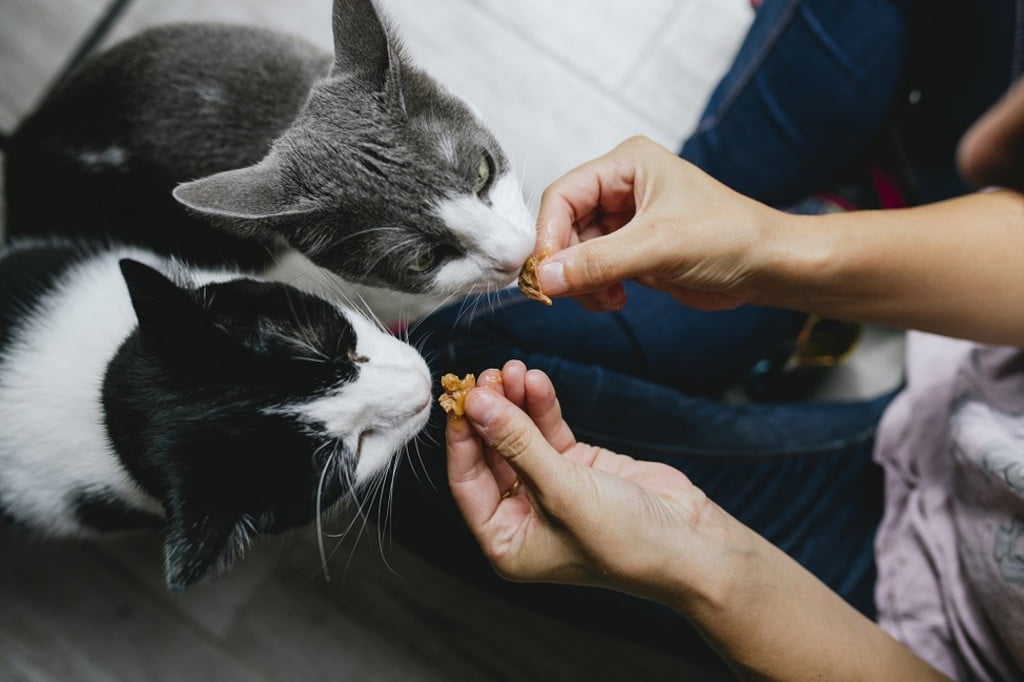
point(498, 238)
point(384, 408)
point(50, 387)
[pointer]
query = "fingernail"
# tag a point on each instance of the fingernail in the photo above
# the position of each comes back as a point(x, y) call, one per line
point(482, 406)
point(551, 275)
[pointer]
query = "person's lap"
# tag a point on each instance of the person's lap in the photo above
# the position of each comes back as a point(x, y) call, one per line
point(812, 85)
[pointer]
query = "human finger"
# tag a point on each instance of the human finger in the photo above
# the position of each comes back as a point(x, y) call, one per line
point(512, 374)
point(543, 407)
point(600, 263)
point(600, 187)
point(992, 150)
point(473, 484)
point(511, 432)
point(494, 381)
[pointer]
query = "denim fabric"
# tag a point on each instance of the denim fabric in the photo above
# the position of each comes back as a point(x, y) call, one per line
point(819, 86)
point(814, 82)
point(653, 338)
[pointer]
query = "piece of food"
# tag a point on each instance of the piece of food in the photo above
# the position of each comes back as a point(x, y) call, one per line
point(528, 282)
point(455, 389)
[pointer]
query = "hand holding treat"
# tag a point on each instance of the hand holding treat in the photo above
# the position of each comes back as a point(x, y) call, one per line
point(578, 505)
point(641, 213)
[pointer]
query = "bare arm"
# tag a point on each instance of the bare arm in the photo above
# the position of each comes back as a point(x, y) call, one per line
point(642, 213)
point(952, 268)
point(585, 515)
point(776, 621)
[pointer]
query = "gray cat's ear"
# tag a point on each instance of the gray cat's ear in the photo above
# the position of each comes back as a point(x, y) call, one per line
point(365, 46)
point(253, 194)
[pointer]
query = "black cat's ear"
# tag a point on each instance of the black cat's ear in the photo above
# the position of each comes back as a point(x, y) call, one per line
point(162, 307)
point(365, 46)
point(246, 197)
point(197, 547)
point(168, 315)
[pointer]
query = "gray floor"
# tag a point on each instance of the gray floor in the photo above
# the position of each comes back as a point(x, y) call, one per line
point(560, 82)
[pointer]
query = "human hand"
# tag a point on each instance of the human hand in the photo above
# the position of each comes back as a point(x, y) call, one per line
point(640, 212)
point(992, 150)
point(583, 515)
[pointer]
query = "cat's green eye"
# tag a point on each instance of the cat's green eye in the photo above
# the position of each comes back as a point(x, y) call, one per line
point(483, 175)
point(425, 260)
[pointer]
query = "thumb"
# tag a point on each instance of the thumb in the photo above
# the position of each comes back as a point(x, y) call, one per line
point(511, 432)
point(595, 264)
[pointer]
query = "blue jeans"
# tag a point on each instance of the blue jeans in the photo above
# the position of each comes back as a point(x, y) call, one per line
point(820, 88)
point(799, 474)
point(813, 84)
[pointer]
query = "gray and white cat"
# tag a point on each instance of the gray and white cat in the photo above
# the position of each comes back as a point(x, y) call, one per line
point(228, 144)
point(140, 393)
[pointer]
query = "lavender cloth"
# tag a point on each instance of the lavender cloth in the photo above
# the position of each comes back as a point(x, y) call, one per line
point(951, 545)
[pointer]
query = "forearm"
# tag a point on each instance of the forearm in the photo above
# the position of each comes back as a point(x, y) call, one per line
point(951, 268)
point(773, 620)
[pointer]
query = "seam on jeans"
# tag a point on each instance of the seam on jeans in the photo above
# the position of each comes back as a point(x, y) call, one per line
point(834, 447)
point(779, 118)
point(619, 319)
point(829, 44)
point(748, 74)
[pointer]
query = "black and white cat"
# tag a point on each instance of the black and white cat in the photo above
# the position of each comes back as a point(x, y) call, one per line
point(137, 392)
point(359, 160)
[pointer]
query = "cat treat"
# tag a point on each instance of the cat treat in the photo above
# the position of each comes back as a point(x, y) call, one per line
point(455, 389)
point(529, 284)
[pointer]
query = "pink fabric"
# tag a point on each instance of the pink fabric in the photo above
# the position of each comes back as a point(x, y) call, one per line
point(951, 546)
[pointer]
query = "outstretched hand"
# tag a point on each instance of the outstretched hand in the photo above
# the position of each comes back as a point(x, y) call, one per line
point(580, 514)
point(640, 212)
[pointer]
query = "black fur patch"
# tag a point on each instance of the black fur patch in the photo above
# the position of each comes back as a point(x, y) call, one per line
point(104, 511)
point(5, 518)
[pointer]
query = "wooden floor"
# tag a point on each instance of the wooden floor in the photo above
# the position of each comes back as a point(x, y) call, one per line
point(560, 82)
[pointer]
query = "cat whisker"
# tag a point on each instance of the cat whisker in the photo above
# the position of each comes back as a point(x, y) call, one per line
point(303, 326)
point(415, 325)
point(320, 508)
point(301, 358)
point(399, 246)
point(392, 473)
point(422, 464)
point(369, 312)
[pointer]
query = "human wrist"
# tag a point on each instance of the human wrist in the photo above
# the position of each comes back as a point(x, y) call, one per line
point(706, 576)
point(796, 255)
